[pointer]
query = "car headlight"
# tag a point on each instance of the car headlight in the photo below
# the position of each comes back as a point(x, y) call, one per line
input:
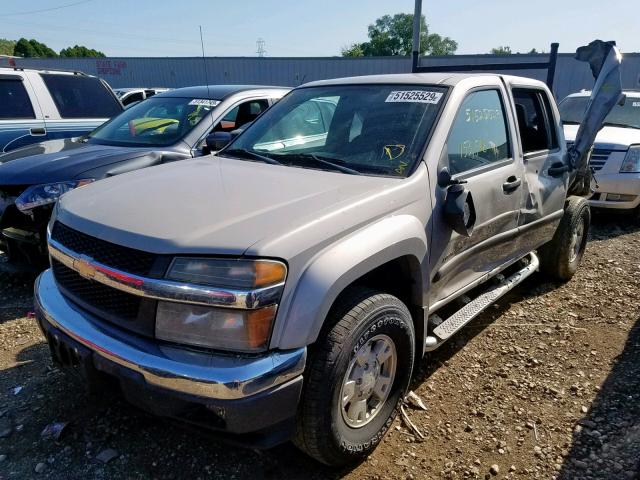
point(223, 328)
point(39, 195)
point(631, 162)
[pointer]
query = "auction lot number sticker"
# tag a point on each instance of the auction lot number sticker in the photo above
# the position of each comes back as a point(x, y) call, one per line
point(415, 96)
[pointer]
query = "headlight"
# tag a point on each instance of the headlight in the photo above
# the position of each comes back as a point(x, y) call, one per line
point(219, 328)
point(238, 274)
point(234, 329)
point(631, 162)
point(39, 195)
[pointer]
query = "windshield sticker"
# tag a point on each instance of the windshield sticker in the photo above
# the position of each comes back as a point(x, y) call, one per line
point(414, 96)
point(204, 102)
point(636, 104)
point(394, 151)
point(401, 168)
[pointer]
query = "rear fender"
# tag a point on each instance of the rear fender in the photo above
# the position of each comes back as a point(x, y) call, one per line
point(341, 264)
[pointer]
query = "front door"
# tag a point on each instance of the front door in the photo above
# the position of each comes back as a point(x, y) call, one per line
point(479, 153)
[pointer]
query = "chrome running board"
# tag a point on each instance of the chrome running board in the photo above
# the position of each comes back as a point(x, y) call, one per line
point(448, 327)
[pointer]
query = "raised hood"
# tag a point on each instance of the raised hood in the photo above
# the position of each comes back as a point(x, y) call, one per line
point(59, 160)
point(215, 205)
point(615, 138)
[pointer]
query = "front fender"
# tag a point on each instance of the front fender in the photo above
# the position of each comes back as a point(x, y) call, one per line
point(301, 316)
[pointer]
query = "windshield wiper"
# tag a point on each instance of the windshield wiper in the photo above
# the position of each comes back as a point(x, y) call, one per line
point(322, 161)
point(570, 122)
point(621, 125)
point(243, 152)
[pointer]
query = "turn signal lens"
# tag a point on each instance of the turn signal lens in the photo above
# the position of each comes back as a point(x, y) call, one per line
point(269, 273)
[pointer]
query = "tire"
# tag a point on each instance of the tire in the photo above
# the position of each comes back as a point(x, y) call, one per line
point(361, 318)
point(561, 257)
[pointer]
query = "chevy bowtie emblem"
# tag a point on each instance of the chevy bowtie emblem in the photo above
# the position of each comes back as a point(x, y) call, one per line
point(83, 266)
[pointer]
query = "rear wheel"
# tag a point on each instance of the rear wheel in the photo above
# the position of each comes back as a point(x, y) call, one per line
point(561, 257)
point(356, 378)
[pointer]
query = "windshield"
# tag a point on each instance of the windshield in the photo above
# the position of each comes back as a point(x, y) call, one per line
point(355, 129)
point(155, 122)
point(628, 115)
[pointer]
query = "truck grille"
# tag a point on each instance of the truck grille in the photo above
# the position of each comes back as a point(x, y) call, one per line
point(116, 256)
point(599, 157)
point(115, 306)
point(103, 300)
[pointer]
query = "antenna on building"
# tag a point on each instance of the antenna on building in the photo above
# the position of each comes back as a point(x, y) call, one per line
point(260, 43)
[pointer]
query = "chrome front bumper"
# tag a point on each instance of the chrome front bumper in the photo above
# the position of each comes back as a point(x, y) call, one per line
point(201, 374)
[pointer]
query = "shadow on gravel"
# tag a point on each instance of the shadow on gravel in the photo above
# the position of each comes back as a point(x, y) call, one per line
point(147, 446)
point(605, 225)
point(606, 442)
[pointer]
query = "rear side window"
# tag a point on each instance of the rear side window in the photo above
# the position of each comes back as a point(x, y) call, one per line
point(134, 97)
point(77, 96)
point(534, 120)
point(14, 100)
point(479, 133)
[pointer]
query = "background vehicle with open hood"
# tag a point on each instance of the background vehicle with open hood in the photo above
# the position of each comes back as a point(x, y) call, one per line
point(615, 159)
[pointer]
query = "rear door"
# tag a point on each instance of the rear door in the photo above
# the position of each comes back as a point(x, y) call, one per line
point(545, 182)
point(479, 152)
point(73, 104)
point(21, 119)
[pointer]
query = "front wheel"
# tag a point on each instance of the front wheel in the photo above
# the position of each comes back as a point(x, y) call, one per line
point(561, 257)
point(356, 378)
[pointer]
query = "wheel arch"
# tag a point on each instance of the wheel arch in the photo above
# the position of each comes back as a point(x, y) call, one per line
point(374, 256)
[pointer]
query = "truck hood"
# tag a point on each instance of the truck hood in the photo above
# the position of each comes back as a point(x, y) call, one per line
point(214, 205)
point(615, 138)
point(59, 160)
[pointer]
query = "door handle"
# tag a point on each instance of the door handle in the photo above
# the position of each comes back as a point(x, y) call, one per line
point(558, 169)
point(38, 131)
point(511, 184)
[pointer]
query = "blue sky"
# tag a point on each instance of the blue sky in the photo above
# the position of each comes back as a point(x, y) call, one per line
point(310, 28)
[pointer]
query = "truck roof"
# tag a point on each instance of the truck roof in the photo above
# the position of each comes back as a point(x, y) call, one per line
point(445, 78)
point(215, 92)
point(44, 70)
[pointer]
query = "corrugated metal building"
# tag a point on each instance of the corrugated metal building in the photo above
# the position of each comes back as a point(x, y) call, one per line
point(571, 75)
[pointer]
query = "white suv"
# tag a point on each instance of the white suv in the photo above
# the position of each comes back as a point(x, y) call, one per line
point(615, 160)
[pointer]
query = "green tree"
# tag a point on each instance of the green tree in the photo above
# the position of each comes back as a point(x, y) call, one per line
point(7, 46)
point(393, 35)
point(81, 51)
point(501, 51)
point(32, 48)
point(353, 50)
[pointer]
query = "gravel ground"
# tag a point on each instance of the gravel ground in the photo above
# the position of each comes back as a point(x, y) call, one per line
point(546, 384)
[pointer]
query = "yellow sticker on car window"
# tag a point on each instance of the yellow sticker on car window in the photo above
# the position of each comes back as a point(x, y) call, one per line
point(394, 151)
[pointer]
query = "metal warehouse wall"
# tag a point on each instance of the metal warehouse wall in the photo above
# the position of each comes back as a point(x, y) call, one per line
point(571, 75)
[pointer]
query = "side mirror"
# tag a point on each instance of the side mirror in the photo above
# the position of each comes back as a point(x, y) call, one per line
point(459, 210)
point(217, 141)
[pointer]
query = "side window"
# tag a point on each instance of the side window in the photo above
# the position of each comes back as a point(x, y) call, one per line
point(79, 96)
point(134, 97)
point(479, 134)
point(241, 115)
point(309, 119)
point(14, 100)
point(534, 120)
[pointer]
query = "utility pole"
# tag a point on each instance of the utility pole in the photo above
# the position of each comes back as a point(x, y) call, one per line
point(417, 17)
point(260, 43)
